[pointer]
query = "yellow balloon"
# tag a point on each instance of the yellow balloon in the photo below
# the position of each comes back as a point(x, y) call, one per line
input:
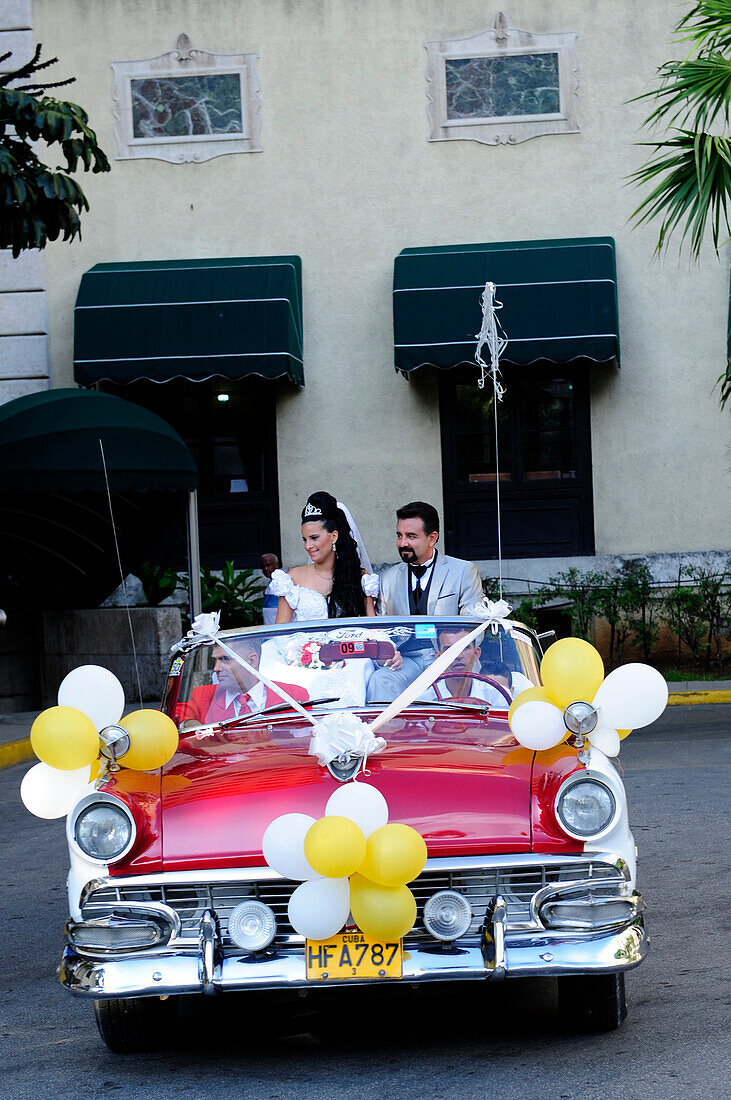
point(531, 695)
point(395, 854)
point(334, 846)
point(64, 738)
point(572, 669)
point(381, 912)
point(623, 734)
point(153, 740)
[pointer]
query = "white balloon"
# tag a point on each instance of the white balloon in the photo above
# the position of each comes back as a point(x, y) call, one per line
point(94, 690)
point(606, 740)
point(361, 803)
point(319, 909)
point(631, 697)
point(50, 793)
point(283, 846)
point(538, 725)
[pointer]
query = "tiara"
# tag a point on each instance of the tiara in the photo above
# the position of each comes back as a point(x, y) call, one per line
point(311, 510)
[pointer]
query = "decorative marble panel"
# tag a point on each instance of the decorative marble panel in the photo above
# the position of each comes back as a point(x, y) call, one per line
point(502, 85)
point(186, 105)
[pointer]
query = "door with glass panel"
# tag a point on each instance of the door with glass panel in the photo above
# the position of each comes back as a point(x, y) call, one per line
point(540, 453)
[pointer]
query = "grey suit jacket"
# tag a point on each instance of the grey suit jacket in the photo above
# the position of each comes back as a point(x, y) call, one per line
point(455, 587)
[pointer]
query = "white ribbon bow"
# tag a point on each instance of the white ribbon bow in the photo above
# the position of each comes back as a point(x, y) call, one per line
point(493, 613)
point(205, 625)
point(343, 734)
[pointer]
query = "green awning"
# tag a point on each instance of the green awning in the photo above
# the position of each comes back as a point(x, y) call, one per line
point(559, 301)
point(49, 443)
point(193, 319)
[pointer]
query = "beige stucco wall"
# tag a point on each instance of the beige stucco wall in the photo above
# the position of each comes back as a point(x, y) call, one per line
point(347, 178)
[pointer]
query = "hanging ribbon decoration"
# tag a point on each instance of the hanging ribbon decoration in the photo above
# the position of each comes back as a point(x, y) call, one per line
point(492, 337)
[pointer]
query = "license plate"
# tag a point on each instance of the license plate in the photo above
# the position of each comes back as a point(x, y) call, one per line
point(352, 955)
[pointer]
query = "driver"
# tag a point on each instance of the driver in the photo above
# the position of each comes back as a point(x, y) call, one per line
point(458, 683)
point(237, 691)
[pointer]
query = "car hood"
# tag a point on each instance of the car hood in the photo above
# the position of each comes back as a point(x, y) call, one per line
point(460, 785)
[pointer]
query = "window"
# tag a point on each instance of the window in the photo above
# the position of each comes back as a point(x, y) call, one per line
point(186, 105)
point(502, 85)
point(544, 463)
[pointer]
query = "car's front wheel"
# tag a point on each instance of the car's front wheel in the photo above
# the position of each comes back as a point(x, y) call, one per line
point(591, 1002)
point(135, 1024)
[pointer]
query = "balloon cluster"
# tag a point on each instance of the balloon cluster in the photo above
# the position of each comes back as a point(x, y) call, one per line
point(572, 672)
point(351, 861)
point(66, 739)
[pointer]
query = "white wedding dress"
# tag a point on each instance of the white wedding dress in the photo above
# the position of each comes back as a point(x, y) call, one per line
point(308, 603)
point(348, 682)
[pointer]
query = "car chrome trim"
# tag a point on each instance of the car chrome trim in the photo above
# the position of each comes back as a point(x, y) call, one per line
point(436, 863)
point(549, 953)
point(563, 894)
point(209, 945)
point(164, 920)
point(493, 937)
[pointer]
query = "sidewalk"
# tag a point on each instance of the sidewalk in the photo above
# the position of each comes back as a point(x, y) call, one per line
point(15, 728)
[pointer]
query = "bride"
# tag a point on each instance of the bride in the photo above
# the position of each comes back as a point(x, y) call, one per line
point(338, 582)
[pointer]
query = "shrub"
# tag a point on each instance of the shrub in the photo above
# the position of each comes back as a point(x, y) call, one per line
point(158, 581)
point(580, 590)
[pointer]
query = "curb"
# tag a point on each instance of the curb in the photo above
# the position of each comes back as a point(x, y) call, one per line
point(698, 697)
point(16, 752)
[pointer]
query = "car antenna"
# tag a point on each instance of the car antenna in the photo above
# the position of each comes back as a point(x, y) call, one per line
point(121, 572)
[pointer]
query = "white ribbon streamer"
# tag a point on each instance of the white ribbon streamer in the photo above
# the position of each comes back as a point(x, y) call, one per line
point(426, 678)
point(205, 627)
point(489, 337)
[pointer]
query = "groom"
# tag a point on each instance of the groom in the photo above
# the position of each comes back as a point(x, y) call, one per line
point(425, 583)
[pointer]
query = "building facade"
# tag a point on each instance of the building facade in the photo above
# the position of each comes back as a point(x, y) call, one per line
point(352, 149)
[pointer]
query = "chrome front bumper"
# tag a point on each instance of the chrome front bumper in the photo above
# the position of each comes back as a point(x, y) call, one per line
point(500, 954)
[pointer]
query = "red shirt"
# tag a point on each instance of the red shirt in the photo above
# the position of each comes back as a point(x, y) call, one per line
point(207, 704)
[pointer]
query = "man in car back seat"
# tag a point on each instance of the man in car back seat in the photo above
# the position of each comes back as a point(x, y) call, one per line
point(237, 691)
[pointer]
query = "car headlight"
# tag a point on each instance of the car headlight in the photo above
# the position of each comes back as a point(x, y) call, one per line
point(103, 829)
point(585, 808)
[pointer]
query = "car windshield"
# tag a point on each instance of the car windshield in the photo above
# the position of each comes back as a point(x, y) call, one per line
point(343, 664)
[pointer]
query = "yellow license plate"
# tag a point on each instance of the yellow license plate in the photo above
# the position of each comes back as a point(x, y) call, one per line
point(352, 955)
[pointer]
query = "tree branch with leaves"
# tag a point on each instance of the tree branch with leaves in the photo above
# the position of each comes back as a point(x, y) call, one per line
point(41, 203)
point(689, 170)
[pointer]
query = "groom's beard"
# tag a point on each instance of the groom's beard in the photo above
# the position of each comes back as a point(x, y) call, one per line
point(408, 555)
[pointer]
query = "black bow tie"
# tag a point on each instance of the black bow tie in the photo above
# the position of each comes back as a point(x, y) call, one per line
point(419, 570)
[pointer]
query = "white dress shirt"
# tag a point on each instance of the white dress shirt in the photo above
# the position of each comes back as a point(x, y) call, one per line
point(424, 579)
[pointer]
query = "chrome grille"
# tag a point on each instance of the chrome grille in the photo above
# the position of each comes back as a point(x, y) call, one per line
point(517, 884)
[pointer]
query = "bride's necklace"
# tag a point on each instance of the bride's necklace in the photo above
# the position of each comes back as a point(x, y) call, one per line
point(325, 576)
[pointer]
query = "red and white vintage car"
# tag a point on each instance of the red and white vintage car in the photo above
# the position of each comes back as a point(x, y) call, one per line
point(531, 863)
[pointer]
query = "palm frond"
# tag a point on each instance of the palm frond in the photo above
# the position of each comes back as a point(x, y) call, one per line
point(692, 177)
point(694, 92)
point(708, 24)
point(724, 384)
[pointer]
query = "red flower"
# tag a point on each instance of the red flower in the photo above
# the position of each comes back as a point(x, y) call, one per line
point(306, 657)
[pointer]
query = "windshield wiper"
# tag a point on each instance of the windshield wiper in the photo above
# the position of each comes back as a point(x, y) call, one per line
point(478, 708)
point(274, 709)
point(226, 723)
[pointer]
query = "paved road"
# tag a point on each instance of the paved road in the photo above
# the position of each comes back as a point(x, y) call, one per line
point(504, 1040)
